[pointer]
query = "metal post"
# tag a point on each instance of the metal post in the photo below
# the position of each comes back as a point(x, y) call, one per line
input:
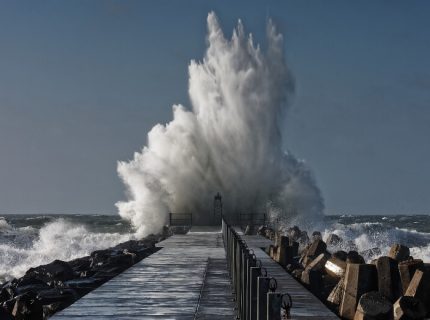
point(262, 289)
point(255, 272)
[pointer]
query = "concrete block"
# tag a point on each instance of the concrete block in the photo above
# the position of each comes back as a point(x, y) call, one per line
point(336, 295)
point(407, 270)
point(389, 284)
point(316, 248)
point(335, 267)
point(373, 306)
point(408, 308)
point(399, 252)
point(419, 288)
point(359, 279)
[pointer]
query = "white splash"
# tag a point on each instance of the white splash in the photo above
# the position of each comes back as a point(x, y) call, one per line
point(230, 142)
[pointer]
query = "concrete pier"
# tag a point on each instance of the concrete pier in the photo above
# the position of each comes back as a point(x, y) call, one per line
point(186, 279)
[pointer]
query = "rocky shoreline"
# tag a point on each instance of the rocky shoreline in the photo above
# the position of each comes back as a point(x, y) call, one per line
point(395, 286)
point(47, 289)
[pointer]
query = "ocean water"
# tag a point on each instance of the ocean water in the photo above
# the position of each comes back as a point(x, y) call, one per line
point(30, 240)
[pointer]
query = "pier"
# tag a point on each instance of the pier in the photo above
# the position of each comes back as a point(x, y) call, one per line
point(190, 277)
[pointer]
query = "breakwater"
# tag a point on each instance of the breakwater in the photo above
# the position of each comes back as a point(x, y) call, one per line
point(47, 289)
point(393, 286)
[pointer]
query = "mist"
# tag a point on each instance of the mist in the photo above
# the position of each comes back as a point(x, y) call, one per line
point(230, 141)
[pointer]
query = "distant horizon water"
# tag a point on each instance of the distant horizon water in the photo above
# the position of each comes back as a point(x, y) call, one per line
point(30, 240)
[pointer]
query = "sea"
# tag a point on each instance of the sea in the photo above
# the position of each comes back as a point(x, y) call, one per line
point(30, 240)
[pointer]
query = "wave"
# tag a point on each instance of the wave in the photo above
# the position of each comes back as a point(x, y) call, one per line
point(26, 247)
point(370, 235)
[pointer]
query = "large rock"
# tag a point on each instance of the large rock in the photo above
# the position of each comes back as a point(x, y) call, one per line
point(5, 314)
point(373, 306)
point(27, 307)
point(399, 252)
point(359, 279)
point(333, 240)
point(388, 278)
point(317, 247)
point(354, 257)
point(55, 271)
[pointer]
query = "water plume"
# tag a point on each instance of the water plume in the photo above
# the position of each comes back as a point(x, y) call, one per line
point(231, 141)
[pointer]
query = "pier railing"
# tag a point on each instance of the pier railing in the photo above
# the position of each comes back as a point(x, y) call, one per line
point(180, 219)
point(254, 290)
point(252, 219)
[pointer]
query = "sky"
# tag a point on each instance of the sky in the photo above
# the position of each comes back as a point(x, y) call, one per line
point(82, 82)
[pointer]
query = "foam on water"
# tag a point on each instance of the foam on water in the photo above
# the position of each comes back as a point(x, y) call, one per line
point(25, 247)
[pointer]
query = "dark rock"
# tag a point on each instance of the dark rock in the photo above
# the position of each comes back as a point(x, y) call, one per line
point(54, 295)
point(333, 240)
point(316, 235)
point(303, 238)
point(399, 252)
point(354, 257)
point(373, 306)
point(27, 307)
point(341, 255)
point(261, 230)
point(368, 254)
point(294, 233)
point(80, 264)
point(297, 273)
point(5, 314)
point(56, 270)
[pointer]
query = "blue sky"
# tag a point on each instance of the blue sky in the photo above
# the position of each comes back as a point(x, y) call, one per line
point(82, 82)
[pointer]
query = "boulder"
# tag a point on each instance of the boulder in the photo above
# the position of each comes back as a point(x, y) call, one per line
point(333, 240)
point(316, 235)
point(27, 307)
point(399, 252)
point(55, 271)
point(80, 264)
point(341, 255)
point(373, 306)
point(312, 275)
point(5, 314)
point(354, 257)
point(370, 253)
point(408, 308)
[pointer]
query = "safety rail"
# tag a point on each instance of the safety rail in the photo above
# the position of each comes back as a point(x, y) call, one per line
point(252, 219)
point(180, 219)
point(254, 291)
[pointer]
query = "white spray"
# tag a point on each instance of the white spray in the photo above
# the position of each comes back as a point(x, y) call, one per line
point(230, 142)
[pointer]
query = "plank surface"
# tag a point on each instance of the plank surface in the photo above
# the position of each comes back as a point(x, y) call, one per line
point(186, 279)
point(305, 304)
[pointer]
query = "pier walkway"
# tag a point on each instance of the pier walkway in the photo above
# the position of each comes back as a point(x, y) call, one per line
point(186, 279)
